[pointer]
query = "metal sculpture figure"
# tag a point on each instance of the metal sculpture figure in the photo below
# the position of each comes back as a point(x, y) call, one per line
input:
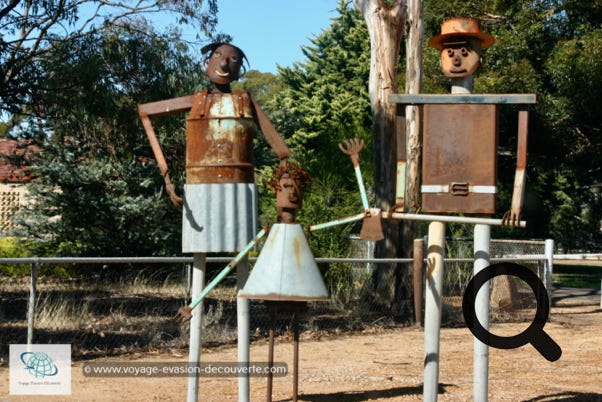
point(220, 195)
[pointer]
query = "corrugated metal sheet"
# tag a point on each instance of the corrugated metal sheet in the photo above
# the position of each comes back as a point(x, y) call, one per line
point(218, 217)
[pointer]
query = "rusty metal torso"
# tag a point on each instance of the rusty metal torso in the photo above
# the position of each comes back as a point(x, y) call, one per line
point(459, 158)
point(219, 143)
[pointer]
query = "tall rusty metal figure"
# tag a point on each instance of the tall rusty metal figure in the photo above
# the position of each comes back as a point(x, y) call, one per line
point(220, 195)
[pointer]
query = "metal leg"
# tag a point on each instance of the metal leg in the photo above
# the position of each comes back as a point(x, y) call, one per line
point(271, 352)
point(194, 354)
point(482, 235)
point(295, 354)
point(242, 309)
point(432, 307)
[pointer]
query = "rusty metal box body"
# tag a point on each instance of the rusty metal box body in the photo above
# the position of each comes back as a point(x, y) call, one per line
point(459, 158)
point(219, 143)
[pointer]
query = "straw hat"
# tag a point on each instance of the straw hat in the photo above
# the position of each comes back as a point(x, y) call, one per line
point(461, 27)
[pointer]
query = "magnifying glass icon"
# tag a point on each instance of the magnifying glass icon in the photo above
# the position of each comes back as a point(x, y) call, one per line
point(534, 334)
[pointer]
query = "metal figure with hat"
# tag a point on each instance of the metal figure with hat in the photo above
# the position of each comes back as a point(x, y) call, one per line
point(459, 177)
point(219, 211)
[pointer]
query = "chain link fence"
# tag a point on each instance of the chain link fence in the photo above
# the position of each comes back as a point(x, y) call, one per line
point(511, 299)
point(104, 309)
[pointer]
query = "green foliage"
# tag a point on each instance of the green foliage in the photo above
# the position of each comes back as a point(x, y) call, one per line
point(11, 247)
point(32, 30)
point(326, 97)
point(320, 102)
point(97, 191)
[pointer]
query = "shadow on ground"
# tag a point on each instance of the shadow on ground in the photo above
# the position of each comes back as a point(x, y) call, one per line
point(568, 397)
point(368, 395)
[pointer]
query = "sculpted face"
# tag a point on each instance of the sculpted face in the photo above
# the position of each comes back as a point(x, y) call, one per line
point(224, 65)
point(288, 195)
point(460, 57)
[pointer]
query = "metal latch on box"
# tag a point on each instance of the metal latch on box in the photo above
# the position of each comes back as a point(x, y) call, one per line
point(458, 188)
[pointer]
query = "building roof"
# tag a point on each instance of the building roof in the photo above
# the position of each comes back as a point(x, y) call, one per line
point(15, 159)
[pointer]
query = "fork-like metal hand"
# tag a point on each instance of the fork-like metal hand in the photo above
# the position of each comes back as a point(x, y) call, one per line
point(184, 314)
point(352, 148)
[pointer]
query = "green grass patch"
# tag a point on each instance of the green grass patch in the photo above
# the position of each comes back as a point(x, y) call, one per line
point(577, 276)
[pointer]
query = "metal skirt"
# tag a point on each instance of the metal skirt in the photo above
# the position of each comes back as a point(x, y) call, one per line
point(218, 217)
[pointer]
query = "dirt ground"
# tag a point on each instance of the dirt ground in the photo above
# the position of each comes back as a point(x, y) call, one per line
point(381, 366)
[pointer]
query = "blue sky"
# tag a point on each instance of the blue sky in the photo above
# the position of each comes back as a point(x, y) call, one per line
point(271, 32)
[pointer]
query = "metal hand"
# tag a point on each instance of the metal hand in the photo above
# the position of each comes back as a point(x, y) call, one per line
point(352, 148)
point(169, 187)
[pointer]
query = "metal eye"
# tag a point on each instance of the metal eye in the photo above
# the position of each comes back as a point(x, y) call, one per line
point(464, 52)
point(450, 52)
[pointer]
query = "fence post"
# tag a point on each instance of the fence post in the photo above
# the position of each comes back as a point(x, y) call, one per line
point(549, 267)
point(32, 302)
point(418, 279)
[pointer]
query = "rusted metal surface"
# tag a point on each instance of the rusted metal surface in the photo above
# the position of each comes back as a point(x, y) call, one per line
point(218, 217)
point(183, 315)
point(459, 155)
point(297, 308)
point(512, 217)
point(270, 376)
point(288, 182)
point(285, 268)
point(372, 228)
point(219, 143)
point(295, 355)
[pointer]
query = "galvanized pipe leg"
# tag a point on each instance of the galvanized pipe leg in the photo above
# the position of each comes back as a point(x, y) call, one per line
point(194, 354)
point(482, 236)
point(432, 314)
point(242, 309)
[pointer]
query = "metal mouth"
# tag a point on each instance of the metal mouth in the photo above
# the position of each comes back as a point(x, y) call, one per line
point(221, 74)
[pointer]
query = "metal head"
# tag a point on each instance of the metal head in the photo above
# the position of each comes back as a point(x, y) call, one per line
point(224, 63)
point(461, 43)
point(289, 182)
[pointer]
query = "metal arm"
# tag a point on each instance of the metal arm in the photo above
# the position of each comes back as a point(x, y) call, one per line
point(184, 312)
point(163, 108)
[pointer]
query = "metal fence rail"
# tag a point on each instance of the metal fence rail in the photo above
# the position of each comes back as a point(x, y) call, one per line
point(134, 307)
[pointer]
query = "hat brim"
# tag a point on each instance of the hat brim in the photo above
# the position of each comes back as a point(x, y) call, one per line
point(438, 41)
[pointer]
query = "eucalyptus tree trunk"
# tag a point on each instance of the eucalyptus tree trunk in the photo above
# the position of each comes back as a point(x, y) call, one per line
point(414, 43)
point(386, 25)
